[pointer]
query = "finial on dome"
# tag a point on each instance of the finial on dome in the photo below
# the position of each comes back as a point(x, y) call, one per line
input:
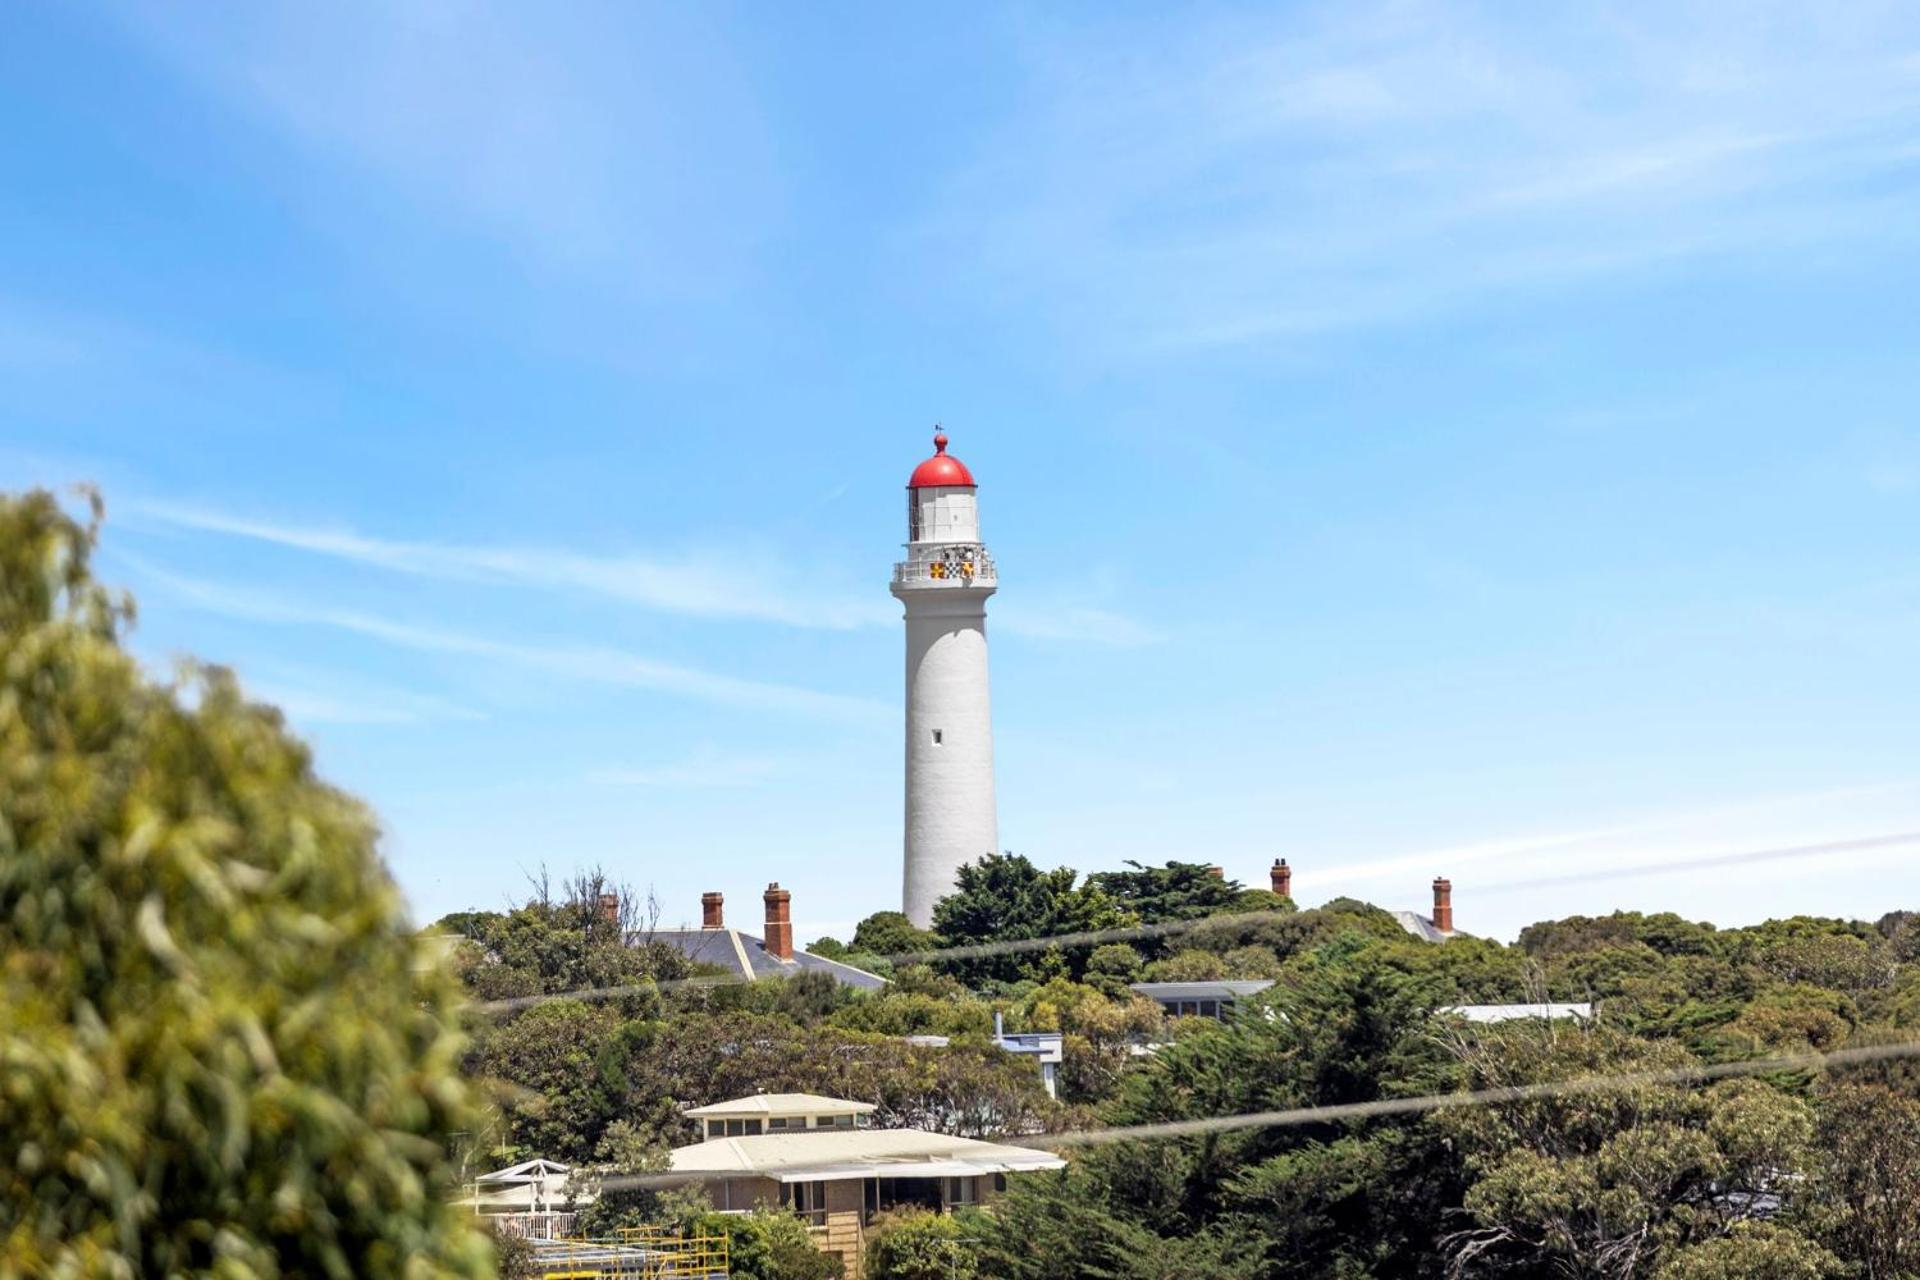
point(939, 439)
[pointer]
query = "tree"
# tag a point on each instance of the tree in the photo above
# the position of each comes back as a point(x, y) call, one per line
point(1752, 1251)
point(594, 934)
point(1612, 1182)
point(1357, 1198)
point(224, 1051)
point(890, 933)
point(915, 1244)
point(768, 1244)
point(1177, 891)
point(1867, 1190)
point(1005, 898)
point(547, 1055)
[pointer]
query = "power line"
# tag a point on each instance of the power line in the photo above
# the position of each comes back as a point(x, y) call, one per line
point(1294, 1117)
point(1228, 921)
point(1704, 864)
point(1504, 1094)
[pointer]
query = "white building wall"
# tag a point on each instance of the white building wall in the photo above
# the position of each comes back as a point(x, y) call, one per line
point(945, 513)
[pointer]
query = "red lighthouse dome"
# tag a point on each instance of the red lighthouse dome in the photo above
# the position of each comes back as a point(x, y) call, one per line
point(941, 469)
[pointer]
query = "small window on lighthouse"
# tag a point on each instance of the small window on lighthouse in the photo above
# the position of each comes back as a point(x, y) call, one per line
point(936, 737)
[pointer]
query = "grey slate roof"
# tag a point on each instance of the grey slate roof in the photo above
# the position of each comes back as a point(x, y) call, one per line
point(745, 955)
point(1420, 927)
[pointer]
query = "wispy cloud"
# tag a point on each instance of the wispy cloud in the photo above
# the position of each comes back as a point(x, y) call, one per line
point(707, 584)
point(1290, 172)
point(590, 663)
point(1651, 841)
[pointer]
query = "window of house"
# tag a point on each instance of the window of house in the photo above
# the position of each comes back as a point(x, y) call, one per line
point(963, 1191)
point(810, 1201)
point(778, 1122)
point(732, 1128)
point(1209, 1008)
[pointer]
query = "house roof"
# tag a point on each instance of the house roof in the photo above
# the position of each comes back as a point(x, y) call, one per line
point(1222, 989)
point(526, 1170)
point(1420, 927)
point(783, 1104)
point(1515, 1012)
point(745, 955)
point(838, 1154)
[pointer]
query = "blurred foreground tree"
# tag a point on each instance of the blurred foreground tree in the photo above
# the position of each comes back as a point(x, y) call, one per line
point(222, 1052)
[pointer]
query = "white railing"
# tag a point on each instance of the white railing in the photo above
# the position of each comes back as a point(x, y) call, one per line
point(533, 1226)
point(960, 567)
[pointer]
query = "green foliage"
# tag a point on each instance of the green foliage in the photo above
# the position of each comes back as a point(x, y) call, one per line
point(223, 1050)
point(1663, 933)
point(1189, 966)
point(1113, 968)
point(1003, 898)
point(915, 1244)
point(1867, 1186)
point(567, 943)
point(768, 1244)
point(514, 1257)
point(547, 1054)
point(1606, 1182)
point(1176, 891)
point(630, 1148)
point(890, 933)
point(1753, 1251)
point(647, 1070)
point(1334, 1200)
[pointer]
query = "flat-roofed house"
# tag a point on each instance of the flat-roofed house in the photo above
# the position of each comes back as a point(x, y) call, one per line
point(779, 1113)
point(827, 1166)
point(1210, 999)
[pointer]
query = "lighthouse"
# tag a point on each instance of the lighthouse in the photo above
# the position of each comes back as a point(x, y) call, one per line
point(943, 584)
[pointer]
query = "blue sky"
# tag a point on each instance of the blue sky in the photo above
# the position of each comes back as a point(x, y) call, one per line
point(1415, 438)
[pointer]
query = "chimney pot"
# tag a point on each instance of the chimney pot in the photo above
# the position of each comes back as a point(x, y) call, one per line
point(779, 937)
point(609, 905)
point(1282, 878)
point(710, 911)
point(1443, 904)
point(1218, 873)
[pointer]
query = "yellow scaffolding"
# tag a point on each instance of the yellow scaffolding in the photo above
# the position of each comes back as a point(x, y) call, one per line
point(638, 1253)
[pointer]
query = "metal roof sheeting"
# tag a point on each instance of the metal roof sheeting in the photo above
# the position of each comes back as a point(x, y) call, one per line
point(784, 1104)
point(1515, 1012)
point(1225, 989)
point(854, 1153)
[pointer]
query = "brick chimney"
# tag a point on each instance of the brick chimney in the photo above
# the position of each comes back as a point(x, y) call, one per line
point(710, 917)
point(1282, 878)
point(610, 907)
point(779, 925)
point(1443, 904)
point(1218, 873)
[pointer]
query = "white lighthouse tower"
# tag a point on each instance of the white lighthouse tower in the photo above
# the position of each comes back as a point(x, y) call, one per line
point(944, 583)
